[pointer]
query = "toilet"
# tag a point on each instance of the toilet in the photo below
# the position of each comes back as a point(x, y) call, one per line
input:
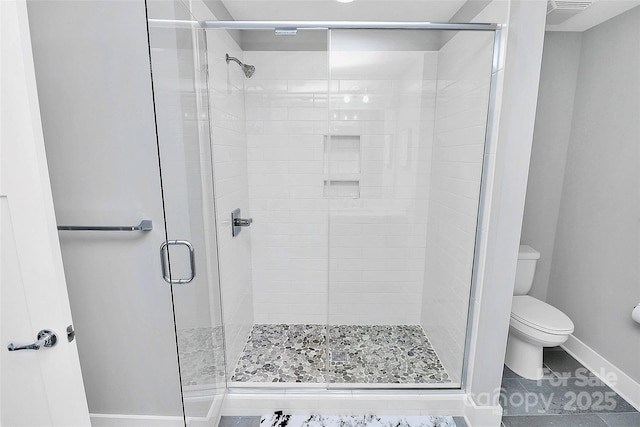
point(534, 324)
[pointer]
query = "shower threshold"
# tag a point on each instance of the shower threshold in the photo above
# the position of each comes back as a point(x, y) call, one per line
point(360, 356)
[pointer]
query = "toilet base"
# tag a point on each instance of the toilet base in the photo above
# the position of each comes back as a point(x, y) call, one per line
point(524, 358)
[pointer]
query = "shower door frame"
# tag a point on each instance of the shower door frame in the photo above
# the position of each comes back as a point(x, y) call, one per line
point(486, 174)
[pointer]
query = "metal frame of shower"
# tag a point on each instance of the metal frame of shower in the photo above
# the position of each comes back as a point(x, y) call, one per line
point(487, 168)
point(343, 25)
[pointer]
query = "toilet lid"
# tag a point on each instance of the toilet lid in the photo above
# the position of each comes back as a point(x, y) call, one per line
point(540, 315)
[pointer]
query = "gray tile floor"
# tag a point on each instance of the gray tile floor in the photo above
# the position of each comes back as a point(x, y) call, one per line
point(239, 422)
point(201, 356)
point(569, 395)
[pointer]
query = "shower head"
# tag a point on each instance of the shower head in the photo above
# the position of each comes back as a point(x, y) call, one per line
point(247, 69)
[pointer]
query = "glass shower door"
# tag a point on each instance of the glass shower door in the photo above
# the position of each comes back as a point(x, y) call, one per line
point(269, 131)
point(179, 69)
point(341, 233)
point(408, 112)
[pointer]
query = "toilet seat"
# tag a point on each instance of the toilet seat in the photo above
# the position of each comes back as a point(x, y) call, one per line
point(540, 316)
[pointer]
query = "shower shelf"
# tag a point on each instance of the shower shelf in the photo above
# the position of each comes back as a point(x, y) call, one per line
point(342, 177)
point(342, 189)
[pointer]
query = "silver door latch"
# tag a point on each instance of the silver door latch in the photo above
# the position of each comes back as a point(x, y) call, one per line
point(46, 338)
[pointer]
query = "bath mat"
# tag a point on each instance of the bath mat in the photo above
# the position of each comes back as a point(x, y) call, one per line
point(279, 419)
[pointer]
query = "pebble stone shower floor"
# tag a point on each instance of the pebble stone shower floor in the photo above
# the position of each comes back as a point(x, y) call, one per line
point(396, 354)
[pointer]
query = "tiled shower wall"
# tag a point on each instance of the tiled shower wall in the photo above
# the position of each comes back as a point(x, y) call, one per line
point(286, 107)
point(464, 69)
point(377, 242)
point(230, 180)
point(378, 170)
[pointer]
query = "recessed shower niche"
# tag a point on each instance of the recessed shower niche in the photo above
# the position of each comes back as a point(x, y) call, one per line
point(342, 158)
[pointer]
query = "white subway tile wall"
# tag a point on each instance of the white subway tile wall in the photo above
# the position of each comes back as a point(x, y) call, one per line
point(464, 70)
point(229, 141)
point(286, 106)
point(377, 241)
point(400, 155)
point(377, 164)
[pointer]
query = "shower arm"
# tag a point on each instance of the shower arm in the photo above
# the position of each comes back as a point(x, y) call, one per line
point(248, 70)
point(231, 58)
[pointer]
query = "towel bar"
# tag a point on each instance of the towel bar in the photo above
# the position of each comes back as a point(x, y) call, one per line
point(145, 225)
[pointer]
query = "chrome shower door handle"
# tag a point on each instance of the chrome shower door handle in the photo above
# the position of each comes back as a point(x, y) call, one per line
point(46, 338)
point(164, 260)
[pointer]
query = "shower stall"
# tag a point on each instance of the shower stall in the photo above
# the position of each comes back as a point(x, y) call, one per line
point(316, 217)
point(329, 177)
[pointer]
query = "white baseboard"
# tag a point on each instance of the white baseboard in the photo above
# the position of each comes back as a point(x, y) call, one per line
point(211, 419)
point(610, 374)
point(343, 403)
point(483, 416)
point(333, 402)
point(119, 420)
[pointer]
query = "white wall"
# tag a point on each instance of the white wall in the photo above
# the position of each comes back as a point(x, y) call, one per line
point(286, 104)
point(505, 175)
point(94, 87)
point(229, 144)
point(558, 77)
point(595, 269)
point(377, 240)
point(464, 72)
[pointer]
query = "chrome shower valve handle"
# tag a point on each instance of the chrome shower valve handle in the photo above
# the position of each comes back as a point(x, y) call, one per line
point(237, 222)
point(242, 222)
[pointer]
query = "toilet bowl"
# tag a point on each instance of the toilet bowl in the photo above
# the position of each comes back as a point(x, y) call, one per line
point(534, 324)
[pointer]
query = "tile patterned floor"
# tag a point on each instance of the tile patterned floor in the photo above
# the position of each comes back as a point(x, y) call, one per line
point(569, 395)
point(397, 354)
point(201, 352)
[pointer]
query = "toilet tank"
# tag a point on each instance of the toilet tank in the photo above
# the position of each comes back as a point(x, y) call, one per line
point(525, 269)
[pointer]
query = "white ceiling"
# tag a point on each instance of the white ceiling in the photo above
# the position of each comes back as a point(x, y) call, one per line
point(331, 10)
point(597, 13)
point(395, 10)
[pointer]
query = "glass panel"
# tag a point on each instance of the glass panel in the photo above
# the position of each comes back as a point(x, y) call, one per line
point(97, 116)
point(357, 179)
point(269, 133)
point(407, 115)
point(179, 58)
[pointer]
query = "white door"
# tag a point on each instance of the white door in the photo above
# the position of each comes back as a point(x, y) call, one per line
point(38, 387)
